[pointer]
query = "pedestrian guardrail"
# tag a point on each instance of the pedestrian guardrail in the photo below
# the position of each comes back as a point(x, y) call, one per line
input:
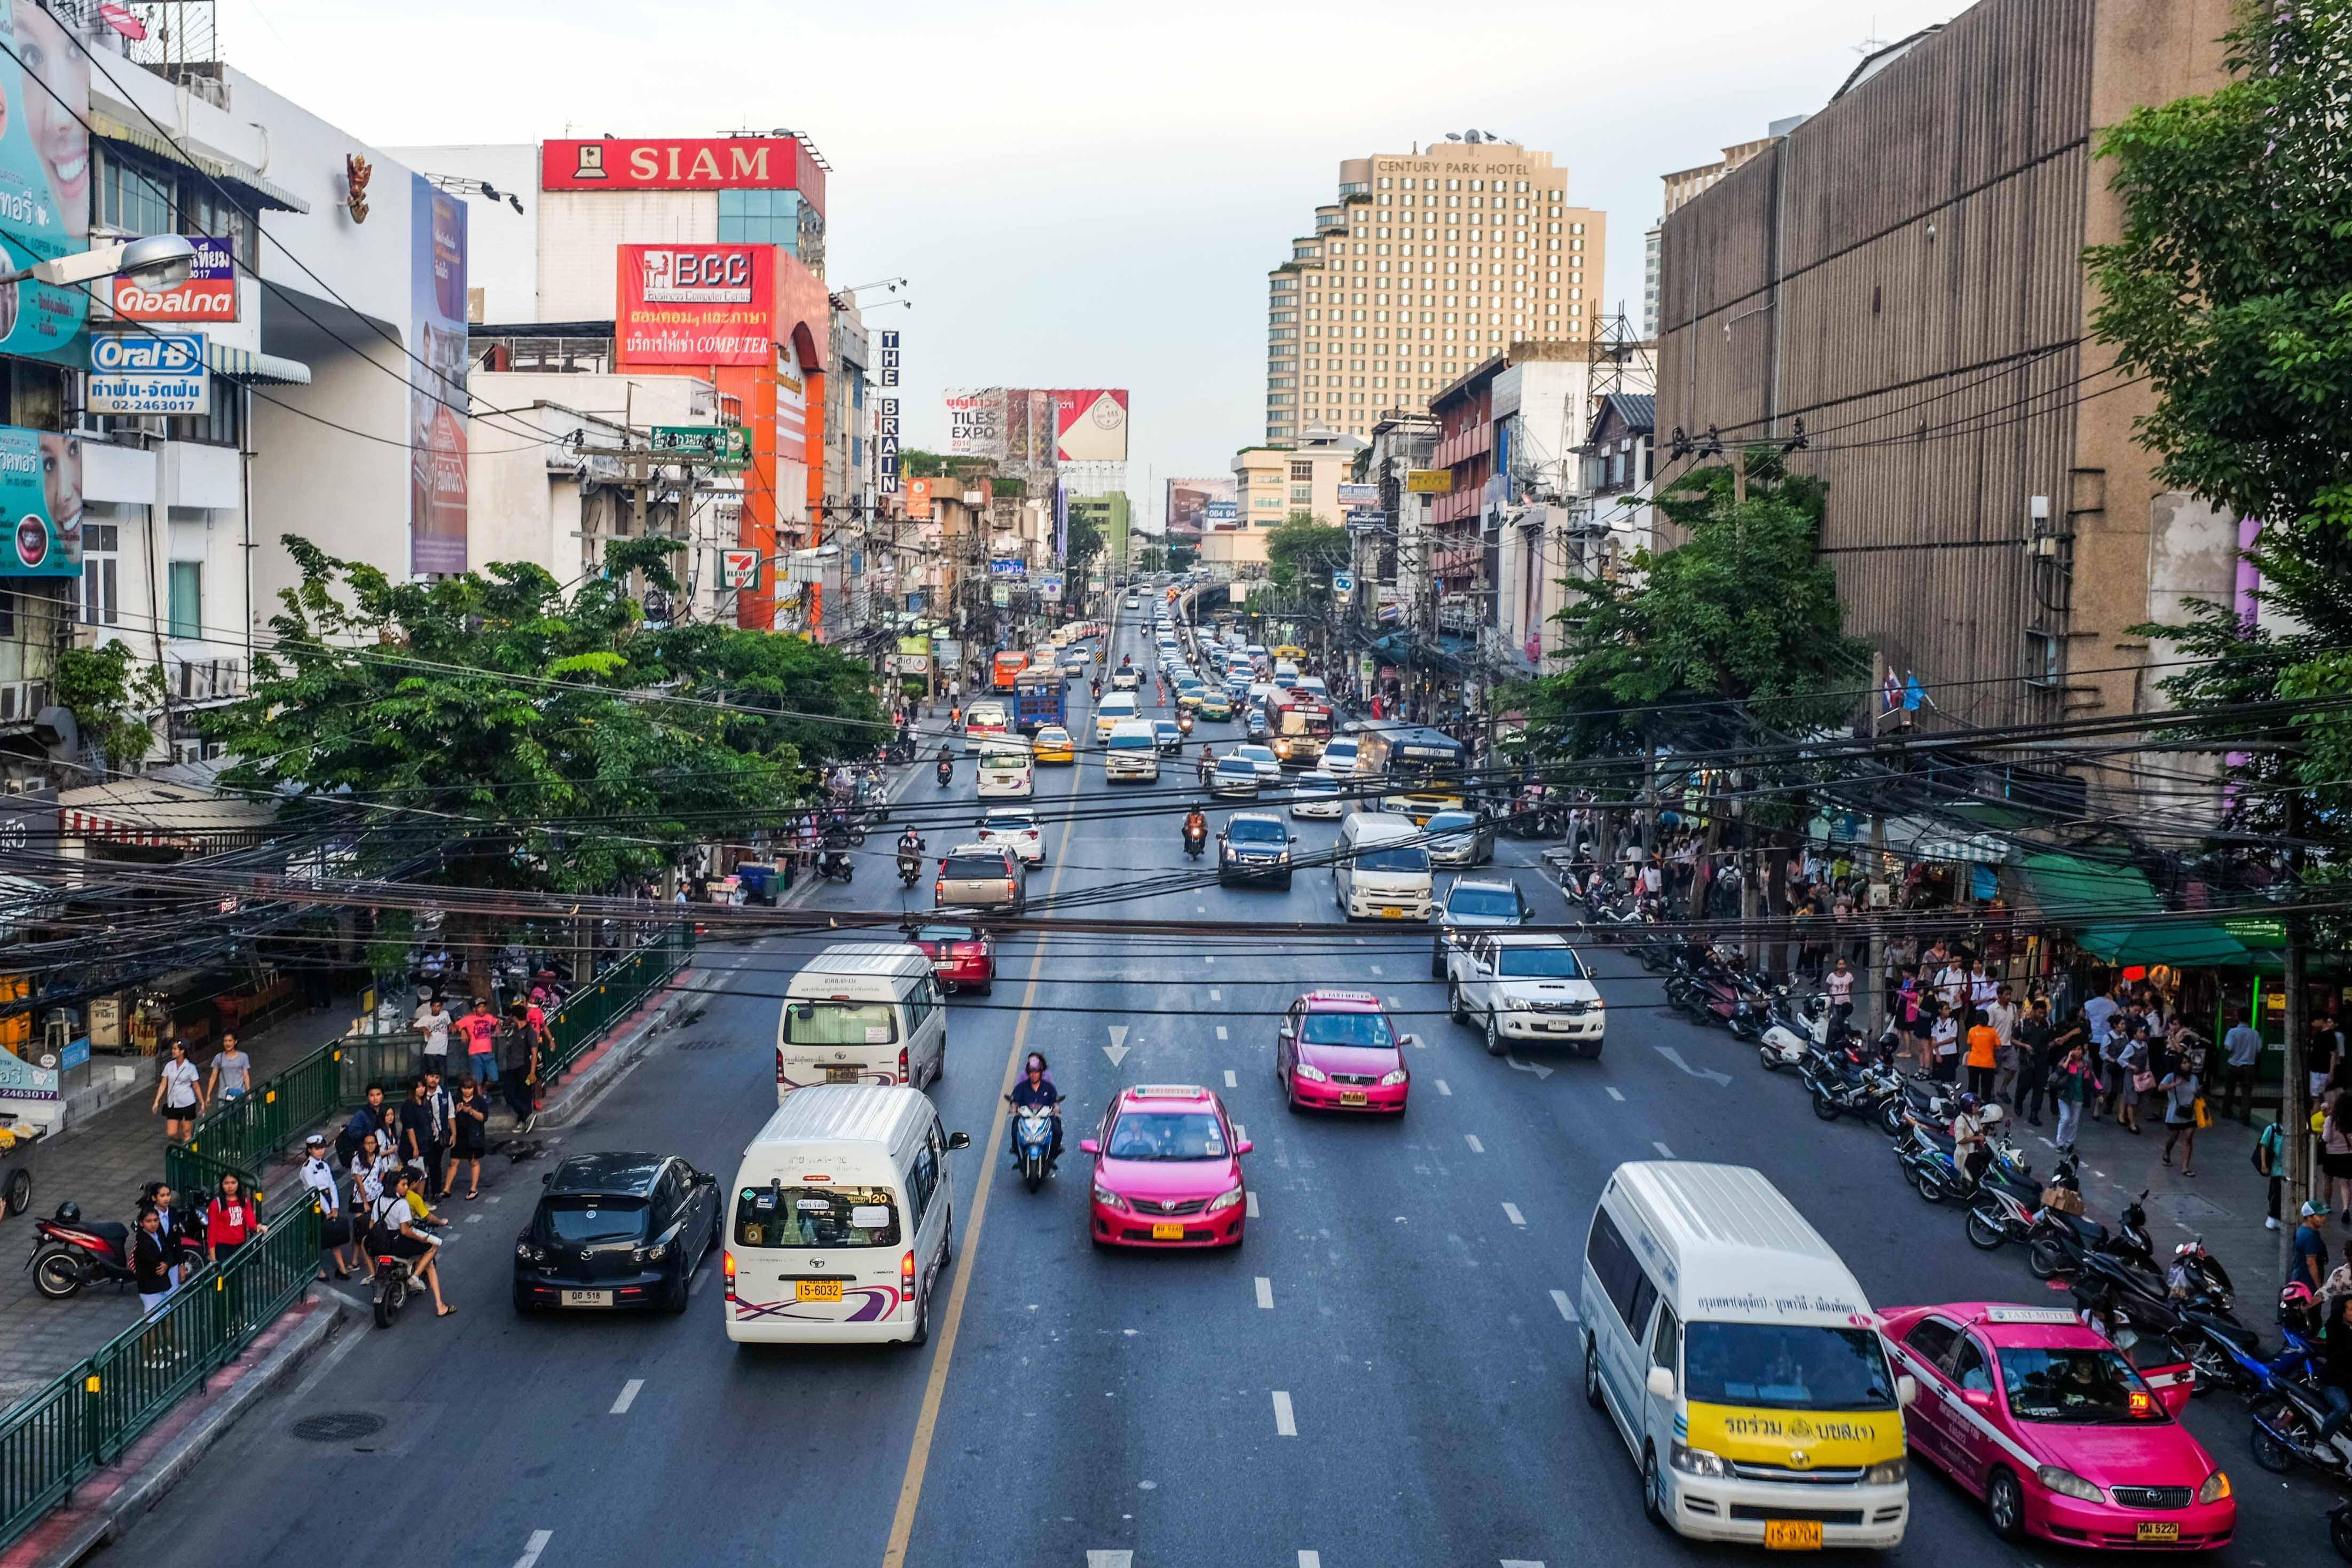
point(83, 1421)
point(589, 1011)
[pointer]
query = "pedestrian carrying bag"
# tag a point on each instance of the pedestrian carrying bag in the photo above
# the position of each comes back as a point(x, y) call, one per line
point(2203, 1117)
point(2143, 1081)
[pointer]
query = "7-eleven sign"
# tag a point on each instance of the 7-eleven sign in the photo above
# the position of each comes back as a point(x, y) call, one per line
point(739, 568)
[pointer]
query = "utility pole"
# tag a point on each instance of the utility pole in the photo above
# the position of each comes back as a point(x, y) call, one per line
point(2295, 1098)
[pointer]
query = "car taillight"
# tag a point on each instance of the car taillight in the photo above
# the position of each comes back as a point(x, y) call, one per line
point(907, 1278)
point(902, 1064)
point(728, 1261)
point(939, 891)
point(779, 1064)
point(1008, 887)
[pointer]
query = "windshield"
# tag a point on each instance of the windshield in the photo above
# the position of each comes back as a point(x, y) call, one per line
point(1401, 858)
point(1369, 1031)
point(1009, 823)
point(1316, 784)
point(1452, 822)
point(1130, 743)
point(1786, 1367)
point(1236, 768)
point(1539, 964)
point(1256, 830)
point(816, 1217)
point(1167, 1135)
point(1004, 761)
point(2092, 1388)
point(1484, 901)
point(590, 1219)
point(974, 868)
point(840, 1023)
point(946, 933)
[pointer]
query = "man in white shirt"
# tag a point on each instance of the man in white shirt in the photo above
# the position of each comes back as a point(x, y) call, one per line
point(432, 1021)
point(2100, 1010)
point(2002, 1016)
point(1952, 986)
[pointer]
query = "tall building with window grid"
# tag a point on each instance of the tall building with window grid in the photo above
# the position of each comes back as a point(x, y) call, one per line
point(1424, 265)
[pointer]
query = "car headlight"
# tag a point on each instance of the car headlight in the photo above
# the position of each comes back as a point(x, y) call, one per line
point(2216, 1486)
point(1699, 1462)
point(1886, 1473)
point(2066, 1483)
point(1456, 936)
point(1311, 1073)
point(1391, 1080)
point(1282, 857)
point(1108, 1198)
point(1224, 1200)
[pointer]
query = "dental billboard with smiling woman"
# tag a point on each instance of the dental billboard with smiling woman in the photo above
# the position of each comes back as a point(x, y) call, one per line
point(44, 180)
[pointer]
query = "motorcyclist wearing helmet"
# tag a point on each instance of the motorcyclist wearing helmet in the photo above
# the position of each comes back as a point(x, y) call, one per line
point(1207, 763)
point(1036, 1089)
point(1196, 825)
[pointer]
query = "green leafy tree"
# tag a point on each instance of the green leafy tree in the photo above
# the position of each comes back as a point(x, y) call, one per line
point(543, 740)
point(2229, 291)
point(109, 688)
point(1302, 553)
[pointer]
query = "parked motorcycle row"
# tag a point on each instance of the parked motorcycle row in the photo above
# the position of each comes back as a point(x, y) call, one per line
point(2174, 1315)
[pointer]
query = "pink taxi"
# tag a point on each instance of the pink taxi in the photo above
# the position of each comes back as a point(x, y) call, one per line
point(1337, 1050)
point(2055, 1430)
point(1168, 1170)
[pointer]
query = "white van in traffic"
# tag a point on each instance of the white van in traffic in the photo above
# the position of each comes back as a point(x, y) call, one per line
point(862, 1012)
point(1737, 1358)
point(838, 1226)
point(1133, 752)
point(1115, 708)
point(1006, 771)
point(1380, 869)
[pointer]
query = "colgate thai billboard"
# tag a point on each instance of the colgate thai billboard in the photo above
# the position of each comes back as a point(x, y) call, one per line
point(208, 294)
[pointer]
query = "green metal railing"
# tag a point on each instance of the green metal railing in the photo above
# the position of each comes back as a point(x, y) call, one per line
point(588, 1012)
point(84, 1420)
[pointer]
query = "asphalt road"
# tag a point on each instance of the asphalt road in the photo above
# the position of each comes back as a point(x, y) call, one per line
point(1380, 1375)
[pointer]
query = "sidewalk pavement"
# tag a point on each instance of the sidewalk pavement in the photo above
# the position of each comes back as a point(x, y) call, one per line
point(2224, 1203)
point(100, 1163)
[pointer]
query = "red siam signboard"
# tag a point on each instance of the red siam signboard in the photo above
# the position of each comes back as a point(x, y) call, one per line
point(682, 163)
point(696, 305)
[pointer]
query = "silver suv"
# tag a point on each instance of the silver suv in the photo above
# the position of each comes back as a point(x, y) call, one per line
point(1469, 905)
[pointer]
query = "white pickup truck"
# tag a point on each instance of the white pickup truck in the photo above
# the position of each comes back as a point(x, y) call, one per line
point(1518, 985)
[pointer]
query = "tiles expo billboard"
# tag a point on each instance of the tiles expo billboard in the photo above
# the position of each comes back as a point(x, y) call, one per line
point(1008, 425)
point(696, 305)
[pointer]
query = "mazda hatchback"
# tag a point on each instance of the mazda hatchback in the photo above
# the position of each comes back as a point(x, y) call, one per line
point(1337, 1050)
point(1168, 1170)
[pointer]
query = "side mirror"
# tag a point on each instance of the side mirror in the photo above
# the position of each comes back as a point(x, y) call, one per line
point(1410, 1041)
point(1089, 1147)
point(1660, 1383)
point(547, 1177)
point(1978, 1398)
point(1244, 1146)
point(1906, 1390)
point(958, 1140)
point(1285, 1033)
point(1294, 838)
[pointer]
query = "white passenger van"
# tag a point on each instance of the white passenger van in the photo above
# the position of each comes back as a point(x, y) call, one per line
point(1380, 870)
point(862, 1012)
point(1115, 708)
point(1133, 752)
point(838, 1224)
point(1006, 771)
point(1737, 1359)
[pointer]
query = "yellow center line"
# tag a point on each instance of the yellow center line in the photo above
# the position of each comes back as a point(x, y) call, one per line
point(918, 1457)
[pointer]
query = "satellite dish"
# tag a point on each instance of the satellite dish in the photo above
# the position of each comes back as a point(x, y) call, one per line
point(1454, 136)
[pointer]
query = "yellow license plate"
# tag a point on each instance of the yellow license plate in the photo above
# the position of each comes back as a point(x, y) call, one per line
point(1352, 1097)
point(817, 1289)
point(1792, 1534)
point(1168, 1233)
point(1391, 912)
point(841, 1075)
point(2158, 1530)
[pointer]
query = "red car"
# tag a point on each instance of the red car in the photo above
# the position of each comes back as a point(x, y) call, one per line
point(963, 958)
point(1337, 1050)
point(2056, 1430)
point(1168, 1171)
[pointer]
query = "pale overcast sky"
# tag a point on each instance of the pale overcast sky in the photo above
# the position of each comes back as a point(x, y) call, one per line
point(1088, 194)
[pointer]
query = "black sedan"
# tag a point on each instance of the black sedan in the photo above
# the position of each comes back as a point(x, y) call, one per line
point(622, 1229)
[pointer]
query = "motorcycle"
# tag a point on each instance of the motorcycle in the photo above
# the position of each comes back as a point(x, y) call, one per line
point(1183, 721)
point(2060, 1242)
point(910, 864)
point(2286, 1432)
point(70, 1253)
point(946, 772)
point(1845, 1082)
point(1196, 840)
point(1790, 1033)
point(834, 866)
point(1033, 1136)
point(902, 749)
point(394, 1285)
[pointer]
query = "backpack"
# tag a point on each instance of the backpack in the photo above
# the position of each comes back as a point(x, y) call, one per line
point(2267, 1149)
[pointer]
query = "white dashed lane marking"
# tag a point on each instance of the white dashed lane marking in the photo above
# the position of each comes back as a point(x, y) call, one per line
point(1614, 1095)
point(533, 1547)
point(1475, 1147)
point(1442, 1089)
point(629, 1396)
point(1215, 995)
point(1285, 1426)
point(1265, 1293)
point(1559, 1299)
point(1221, 1031)
point(1664, 1152)
point(1511, 1212)
point(1250, 1201)
point(1231, 1081)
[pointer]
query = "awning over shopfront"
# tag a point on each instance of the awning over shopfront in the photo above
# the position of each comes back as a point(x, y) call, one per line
point(2115, 915)
point(151, 813)
point(246, 365)
point(266, 192)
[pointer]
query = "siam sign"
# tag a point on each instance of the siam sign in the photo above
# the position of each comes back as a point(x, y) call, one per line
point(682, 163)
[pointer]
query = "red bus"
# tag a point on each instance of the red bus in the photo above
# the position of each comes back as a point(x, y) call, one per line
point(1007, 670)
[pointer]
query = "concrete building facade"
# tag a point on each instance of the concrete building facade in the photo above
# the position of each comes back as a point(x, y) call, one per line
point(1425, 264)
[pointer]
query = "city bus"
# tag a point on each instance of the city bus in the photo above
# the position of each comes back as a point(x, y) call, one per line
point(1426, 769)
point(1298, 726)
point(1007, 669)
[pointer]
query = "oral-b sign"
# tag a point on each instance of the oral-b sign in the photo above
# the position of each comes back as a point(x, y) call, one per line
point(147, 372)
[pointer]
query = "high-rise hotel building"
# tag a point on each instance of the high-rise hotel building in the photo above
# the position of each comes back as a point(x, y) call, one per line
point(1425, 264)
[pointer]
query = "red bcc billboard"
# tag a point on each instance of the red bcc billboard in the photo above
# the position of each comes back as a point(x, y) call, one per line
point(696, 305)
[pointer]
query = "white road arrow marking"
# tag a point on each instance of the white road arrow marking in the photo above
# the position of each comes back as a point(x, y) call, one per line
point(1540, 1071)
point(1722, 1080)
point(1110, 1559)
point(1116, 1049)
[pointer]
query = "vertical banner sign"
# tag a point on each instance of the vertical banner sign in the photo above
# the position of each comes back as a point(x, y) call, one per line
point(40, 497)
point(44, 180)
point(437, 405)
point(885, 416)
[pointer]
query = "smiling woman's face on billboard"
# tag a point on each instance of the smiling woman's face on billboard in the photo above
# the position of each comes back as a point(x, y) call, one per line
point(56, 92)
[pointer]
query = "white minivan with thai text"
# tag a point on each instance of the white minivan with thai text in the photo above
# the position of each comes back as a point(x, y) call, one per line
point(862, 1012)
